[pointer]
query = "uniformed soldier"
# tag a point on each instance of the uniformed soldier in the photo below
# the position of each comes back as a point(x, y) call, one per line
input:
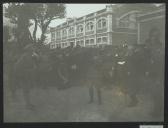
point(71, 60)
point(62, 70)
point(94, 75)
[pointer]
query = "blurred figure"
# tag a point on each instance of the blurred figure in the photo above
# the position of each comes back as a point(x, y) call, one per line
point(156, 71)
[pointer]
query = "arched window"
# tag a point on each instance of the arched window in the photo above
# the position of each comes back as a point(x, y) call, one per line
point(80, 42)
point(102, 23)
point(64, 32)
point(53, 35)
point(80, 28)
point(89, 26)
point(102, 40)
point(71, 31)
point(89, 41)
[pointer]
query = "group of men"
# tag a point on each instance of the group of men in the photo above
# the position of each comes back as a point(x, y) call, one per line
point(134, 67)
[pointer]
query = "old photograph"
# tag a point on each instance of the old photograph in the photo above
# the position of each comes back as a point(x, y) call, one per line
point(83, 62)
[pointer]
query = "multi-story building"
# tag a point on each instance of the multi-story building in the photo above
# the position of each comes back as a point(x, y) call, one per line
point(109, 26)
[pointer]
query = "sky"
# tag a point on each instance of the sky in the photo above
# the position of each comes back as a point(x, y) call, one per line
point(78, 10)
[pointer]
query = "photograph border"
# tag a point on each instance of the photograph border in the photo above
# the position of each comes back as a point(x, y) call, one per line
point(85, 124)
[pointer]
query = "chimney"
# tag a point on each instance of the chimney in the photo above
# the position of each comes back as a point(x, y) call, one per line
point(109, 8)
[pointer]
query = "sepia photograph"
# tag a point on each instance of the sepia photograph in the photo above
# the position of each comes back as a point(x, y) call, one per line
point(65, 62)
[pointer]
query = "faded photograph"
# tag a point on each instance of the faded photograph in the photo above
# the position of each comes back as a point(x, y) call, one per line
point(83, 62)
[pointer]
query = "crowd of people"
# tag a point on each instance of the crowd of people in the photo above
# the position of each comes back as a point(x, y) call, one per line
point(132, 67)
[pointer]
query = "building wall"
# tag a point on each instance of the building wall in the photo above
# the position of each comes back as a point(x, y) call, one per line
point(95, 25)
point(146, 25)
point(119, 29)
point(121, 38)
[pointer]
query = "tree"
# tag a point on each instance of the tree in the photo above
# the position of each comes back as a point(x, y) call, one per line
point(45, 13)
point(16, 13)
point(41, 14)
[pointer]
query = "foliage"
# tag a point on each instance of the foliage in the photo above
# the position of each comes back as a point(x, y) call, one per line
point(41, 14)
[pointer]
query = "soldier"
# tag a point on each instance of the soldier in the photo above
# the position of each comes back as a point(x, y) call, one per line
point(70, 56)
point(62, 70)
point(94, 75)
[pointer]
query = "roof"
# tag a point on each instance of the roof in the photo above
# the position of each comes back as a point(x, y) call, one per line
point(120, 9)
point(78, 19)
point(156, 13)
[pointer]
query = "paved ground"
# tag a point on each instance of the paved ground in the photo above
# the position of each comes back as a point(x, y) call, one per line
point(52, 105)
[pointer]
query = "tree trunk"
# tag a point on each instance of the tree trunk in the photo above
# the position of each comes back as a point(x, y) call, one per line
point(43, 29)
point(35, 30)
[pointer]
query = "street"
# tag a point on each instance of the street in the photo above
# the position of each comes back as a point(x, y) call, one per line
point(71, 105)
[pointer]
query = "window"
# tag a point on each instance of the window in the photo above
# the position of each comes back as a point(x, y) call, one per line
point(80, 29)
point(99, 40)
point(64, 33)
point(53, 35)
point(64, 45)
point(89, 26)
point(89, 42)
point(58, 45)
point(80, 42)
point(104, 23)
point(71, 30)
point(53, 45)
point(102, 40)
point(58, 34)
point(101, 23)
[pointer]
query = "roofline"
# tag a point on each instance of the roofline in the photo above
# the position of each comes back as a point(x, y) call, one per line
point(77, 18)
point(125, 14)
point(153, 12)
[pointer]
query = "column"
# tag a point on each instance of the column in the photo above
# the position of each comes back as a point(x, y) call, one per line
point(109, 28)
point(138, 41)
point(75, 27)
point(95, 29)
point(61, 36)
point(84, 29)
point(109, 23)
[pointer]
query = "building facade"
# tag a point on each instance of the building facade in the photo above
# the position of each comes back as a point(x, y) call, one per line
point(146, 22)
point(104, 27)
